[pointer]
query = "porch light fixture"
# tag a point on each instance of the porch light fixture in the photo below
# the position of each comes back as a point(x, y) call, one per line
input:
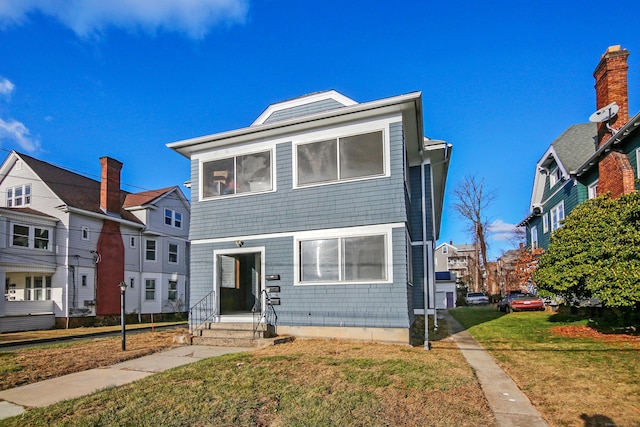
point(123, 289)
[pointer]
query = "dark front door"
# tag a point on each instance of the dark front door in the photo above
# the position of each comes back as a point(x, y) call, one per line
point(239, 283)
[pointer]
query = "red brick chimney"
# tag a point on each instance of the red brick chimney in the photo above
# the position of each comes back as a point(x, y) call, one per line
point(615, 171)
point(110, 269)
point(110, 185)
point(611, 86)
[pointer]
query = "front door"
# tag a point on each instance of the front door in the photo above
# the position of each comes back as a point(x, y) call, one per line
point(239, 283)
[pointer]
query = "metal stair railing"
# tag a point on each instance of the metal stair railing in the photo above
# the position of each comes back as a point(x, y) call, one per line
point(201, 312)
point(269, 317)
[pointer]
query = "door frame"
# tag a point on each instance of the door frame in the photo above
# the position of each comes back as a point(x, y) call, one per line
point(216, 281)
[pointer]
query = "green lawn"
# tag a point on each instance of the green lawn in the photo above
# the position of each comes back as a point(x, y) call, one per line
point(570, 373)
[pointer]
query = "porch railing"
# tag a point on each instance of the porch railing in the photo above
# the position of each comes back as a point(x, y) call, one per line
point(266, 319)
point(202, 312)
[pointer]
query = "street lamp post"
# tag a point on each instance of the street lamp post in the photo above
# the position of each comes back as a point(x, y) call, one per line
point(123, 288)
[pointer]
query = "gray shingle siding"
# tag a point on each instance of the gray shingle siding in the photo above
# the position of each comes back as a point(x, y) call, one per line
point(358, 305)
point(344, 204)
point(304, 110)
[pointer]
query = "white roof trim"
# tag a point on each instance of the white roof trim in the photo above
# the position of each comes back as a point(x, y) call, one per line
point(303, 100)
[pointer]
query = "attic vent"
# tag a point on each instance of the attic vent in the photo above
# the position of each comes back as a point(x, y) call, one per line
point(19, 165)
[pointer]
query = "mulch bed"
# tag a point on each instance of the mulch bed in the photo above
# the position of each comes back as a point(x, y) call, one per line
point(587, 332)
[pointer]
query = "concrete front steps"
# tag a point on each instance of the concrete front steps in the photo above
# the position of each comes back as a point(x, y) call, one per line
point(225, 334)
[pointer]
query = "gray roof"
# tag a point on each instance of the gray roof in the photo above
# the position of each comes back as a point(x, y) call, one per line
point(576, 145)
point(304, 110)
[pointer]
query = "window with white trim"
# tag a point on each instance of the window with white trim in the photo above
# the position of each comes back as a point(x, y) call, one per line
point(172, 218)
point(545, 222)
point(149, 289)
point(150, 250)
point(173, 290)
point(19, 196)
point(445, 249)
point(132, 242)
point(592, 190)
point(248, 173)
point(557, 215)
point(534, 237)
point(554, 177)
point(343, 259)
point(30, 236)
point(37, 288)
point(340, 159)
point(173, 253)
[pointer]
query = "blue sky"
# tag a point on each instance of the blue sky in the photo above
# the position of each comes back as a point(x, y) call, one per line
point(500, 80)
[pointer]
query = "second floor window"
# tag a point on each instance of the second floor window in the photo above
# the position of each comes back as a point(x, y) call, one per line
point(249, 173)
point(341, 159)
point(557, 215)
point(172, 218)
point(29, 236)
point(150, 251)
point(19, 196)
point(173, 253)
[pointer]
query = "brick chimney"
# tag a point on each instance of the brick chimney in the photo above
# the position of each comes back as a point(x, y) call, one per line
point(615, 174)
point(110, 185)
point(110, 246)
point(611, 86)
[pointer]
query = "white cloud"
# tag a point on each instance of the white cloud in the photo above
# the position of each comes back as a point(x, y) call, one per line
point(15, 131)
point(6, 87)
point(500, 230)
point(91, 17)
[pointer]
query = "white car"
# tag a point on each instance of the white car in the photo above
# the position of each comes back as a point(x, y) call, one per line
point(475, 298)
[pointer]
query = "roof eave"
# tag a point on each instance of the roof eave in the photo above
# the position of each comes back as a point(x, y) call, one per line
point(620, 135)
point(410, 105)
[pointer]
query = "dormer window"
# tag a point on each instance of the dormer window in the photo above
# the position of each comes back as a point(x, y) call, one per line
point(19, 196)
point(555, 176)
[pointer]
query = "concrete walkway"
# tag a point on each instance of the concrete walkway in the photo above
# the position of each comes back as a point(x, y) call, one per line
point(48, 392)
point(509, 404)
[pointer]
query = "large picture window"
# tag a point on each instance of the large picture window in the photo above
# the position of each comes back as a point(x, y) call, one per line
point(341, 159)
point(249, 173)
point(29, 236)
point(345, 259)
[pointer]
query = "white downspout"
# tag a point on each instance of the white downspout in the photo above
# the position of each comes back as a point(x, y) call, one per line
point(427, 345)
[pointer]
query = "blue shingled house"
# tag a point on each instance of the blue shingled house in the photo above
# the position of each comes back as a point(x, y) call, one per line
point(320, 218)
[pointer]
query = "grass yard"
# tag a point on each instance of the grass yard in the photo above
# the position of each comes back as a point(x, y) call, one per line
point(303, 383)
point(20, 367)
point(572, 374)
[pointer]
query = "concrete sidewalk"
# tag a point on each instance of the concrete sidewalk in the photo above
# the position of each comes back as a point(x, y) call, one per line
point(48, 392)
point(508, 403)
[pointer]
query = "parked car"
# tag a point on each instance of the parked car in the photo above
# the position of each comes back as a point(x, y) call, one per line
point(520, 302)
point(475, 298)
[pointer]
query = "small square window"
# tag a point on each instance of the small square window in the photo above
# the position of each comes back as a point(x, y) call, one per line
point(85, 233)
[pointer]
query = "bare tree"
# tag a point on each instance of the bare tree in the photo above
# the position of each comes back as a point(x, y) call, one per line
point(473, 200)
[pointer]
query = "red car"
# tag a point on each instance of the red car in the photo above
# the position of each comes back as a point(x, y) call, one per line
point(520, 302)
